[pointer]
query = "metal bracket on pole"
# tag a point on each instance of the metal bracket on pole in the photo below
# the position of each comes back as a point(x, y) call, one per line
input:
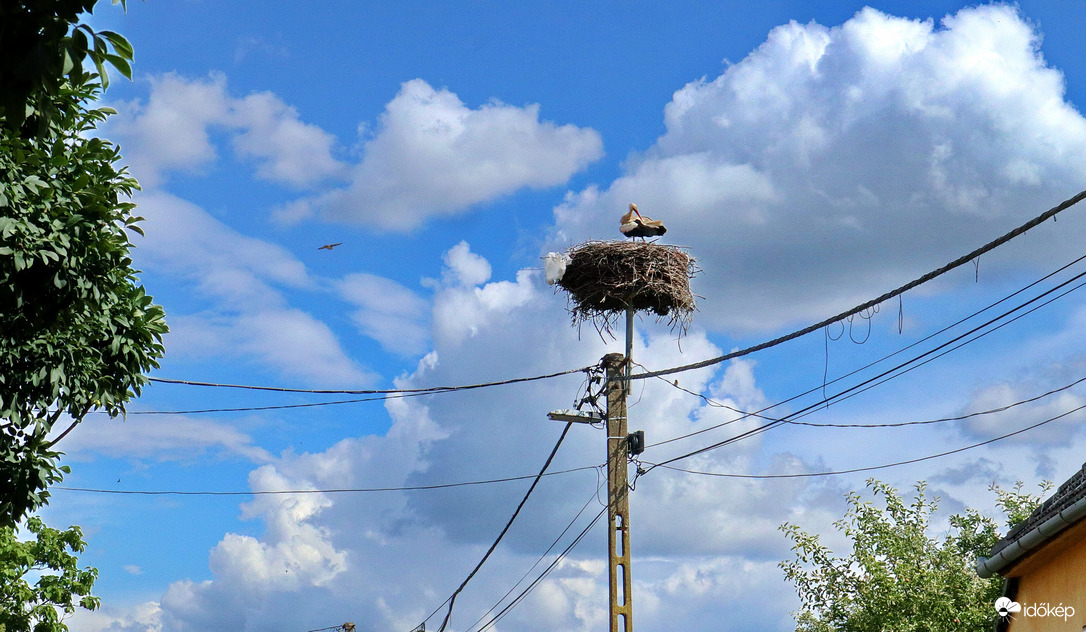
point(576, 416)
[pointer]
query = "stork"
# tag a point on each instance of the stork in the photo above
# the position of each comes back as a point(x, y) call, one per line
point(633, 225)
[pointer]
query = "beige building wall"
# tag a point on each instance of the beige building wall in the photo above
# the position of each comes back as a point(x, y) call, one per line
point(1054, 575)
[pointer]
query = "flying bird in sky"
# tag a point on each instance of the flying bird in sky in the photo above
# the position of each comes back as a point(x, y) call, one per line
point(633, 225)
point(329, 246)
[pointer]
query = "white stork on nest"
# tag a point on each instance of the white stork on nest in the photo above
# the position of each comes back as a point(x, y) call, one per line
point(633, 225)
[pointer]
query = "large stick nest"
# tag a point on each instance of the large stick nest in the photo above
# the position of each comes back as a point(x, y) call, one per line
point(603, 278)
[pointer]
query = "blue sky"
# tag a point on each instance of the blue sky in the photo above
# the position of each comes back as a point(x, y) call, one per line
point(812, 155)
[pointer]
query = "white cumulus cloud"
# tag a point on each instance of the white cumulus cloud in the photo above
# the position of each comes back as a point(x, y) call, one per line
point(835, 163)
point(434, 156)
point(171, 131)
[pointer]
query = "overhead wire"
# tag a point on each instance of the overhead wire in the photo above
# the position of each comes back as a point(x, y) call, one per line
point(856, 391)
point(1043, 217)
point(859, 309)
point(328, 491)
point(240, 409)
point(901, 424)
point(422, 390)
point(451, 601)
point(843, 394)
point(538, 580)
point(929, 457)
point(541, 557)
point(401, 394)
point(869, 305)
point(558, 560)
point(599, 515)
point(876, 379)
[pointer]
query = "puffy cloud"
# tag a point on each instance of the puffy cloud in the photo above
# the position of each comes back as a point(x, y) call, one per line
point(144, 617)
point(464, 267)
point(288, 151)
point(186, 241)
point(293, 555)
point(171, 132)
point(833, 164)
point(434, 156)
point(294, 551)
point(701, 586)
point(465, 302)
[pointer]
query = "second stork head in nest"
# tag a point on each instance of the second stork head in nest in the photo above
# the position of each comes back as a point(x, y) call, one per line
point(633, 225)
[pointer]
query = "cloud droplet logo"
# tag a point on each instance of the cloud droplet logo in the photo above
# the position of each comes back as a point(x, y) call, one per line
point(1005, 607)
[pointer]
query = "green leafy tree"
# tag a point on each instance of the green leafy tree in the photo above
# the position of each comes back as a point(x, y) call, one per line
point(77, 330)
point(45, 48)
point(898, 576)
point(61, 586)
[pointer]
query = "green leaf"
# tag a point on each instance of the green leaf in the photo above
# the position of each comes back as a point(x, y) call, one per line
point(69, 63)
point(121, 65)
point(120, 44)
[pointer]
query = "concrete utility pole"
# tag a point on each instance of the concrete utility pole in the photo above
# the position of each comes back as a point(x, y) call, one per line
point(618, 496)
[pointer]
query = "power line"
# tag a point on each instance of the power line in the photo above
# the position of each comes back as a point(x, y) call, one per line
point(204, 411)
point(1043, 217)
point(873, 381)
point(397, 395)
point(133, 492)
point(960, 261)
point(554, 564)
point(901, 424)
point(872, 467)
point(892, 372)
point(531, 587)
point(452, 599)
point(852, 392)
point(421, 391)
point(539, 579)
point(542, 557)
